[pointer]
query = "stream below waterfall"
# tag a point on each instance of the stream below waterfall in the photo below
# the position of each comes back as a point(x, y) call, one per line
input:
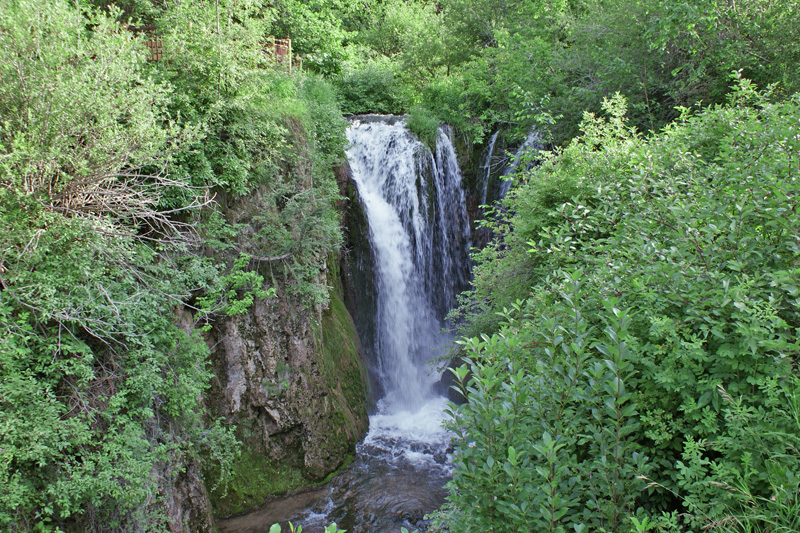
point(397, 477)
point(419, 241)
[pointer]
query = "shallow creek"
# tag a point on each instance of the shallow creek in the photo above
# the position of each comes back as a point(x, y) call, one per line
point(397, 477)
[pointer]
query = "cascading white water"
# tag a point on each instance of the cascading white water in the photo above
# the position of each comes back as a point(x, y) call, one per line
point(523, 159)
point(486, 167)
point(419, 233)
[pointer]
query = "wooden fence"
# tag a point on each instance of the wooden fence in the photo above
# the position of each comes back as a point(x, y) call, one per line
point(280, 51)
point(277, 50)
point(153, 42)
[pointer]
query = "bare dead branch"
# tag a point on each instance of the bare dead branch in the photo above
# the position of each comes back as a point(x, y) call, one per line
point(272, 259)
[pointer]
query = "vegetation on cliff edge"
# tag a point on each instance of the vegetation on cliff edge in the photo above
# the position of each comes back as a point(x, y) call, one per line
point(116, 175)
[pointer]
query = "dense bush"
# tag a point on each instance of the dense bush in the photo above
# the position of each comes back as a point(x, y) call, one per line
point(106, 163)
point(373, 89)
point(652, 367)
point(508, 57)
point(100, 389)
point(268, 133)
point(424, 125)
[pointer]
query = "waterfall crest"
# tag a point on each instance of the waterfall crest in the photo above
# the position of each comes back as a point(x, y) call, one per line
point(419, 233)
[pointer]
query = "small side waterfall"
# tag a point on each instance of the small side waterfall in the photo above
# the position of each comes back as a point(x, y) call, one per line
point(486, 168)
point(496, 176)
point(419, 233)
point(523, 159)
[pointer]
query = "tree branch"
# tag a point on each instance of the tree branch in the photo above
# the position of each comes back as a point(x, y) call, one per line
point(271, 259)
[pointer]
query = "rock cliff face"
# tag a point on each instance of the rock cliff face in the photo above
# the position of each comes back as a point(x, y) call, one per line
point(358, 278)
point(291, 379)
point(293, 383)
point(188, 507)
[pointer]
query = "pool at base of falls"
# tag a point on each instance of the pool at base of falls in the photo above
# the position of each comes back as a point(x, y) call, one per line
point(397, 477)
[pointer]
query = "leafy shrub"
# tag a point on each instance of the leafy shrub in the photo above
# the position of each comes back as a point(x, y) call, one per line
point(282, 136)
point(544, 439)
point(666, 266)
point(330, 528)
point(445, 97)
point(100, 389)
point(424, 125)
point(326, 119)
point(117, 384)
point(372, 89)
point(757, 484)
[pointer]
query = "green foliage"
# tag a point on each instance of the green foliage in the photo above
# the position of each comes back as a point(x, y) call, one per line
point(269, 135)
point(706, 41)
point(408, 33)
point(317, 32)
point(608, 53)
point(424, 125)
point(100, 389)
point(386, 26)
point(761, 485)
point(506, 55)
point(498, 49)
point(399, 47)
point(324, 119)
point(330, 528)
point(660, 318)
point(110, 115)
point(547, 423)
point(236, 291)
point(646, 287)
point(423, 38)
point(117, 384)
point(212, 48)
point(372, 89)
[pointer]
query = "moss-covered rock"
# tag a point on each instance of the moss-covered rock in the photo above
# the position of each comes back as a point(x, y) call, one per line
point(255, 478)
point(293, 383)
point(358, 273)
point(290, 377)
point(345, 375)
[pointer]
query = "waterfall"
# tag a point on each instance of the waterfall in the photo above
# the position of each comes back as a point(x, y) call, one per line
point(419, 234)
point(408, 244)
point(523, 160)
point(486, 167)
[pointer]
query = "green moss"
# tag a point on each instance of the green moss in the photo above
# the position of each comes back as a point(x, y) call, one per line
point(340, 344)
point(344, 371)
point(347, 462)
point(255, 478)
point(340, 349)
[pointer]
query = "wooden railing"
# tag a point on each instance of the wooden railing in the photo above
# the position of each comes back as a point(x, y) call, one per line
point(153, 42)
point(280, 50)
point(277, 50)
